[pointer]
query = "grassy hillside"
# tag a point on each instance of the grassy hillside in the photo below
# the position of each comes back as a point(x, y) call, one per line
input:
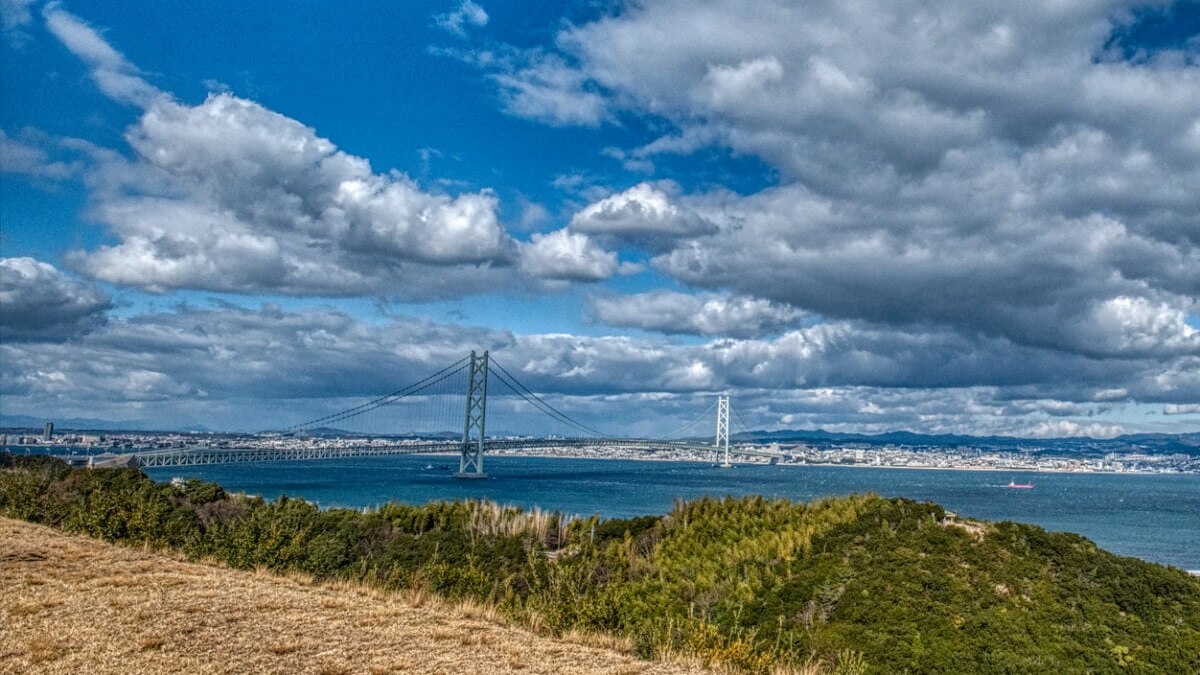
point(72, 604)
point(856, 584)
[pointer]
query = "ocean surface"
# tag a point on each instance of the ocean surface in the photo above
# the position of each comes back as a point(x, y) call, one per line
point(1153, 517)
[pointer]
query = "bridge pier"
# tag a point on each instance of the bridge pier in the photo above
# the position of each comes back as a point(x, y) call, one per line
point(470, 461)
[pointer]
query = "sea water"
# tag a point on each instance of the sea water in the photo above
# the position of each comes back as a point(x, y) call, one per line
point(1153, 517)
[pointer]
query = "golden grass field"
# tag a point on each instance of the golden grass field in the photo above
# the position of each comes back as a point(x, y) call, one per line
point(70, 604)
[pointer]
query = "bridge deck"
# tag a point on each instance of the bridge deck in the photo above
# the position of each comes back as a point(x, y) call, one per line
point(203, 456)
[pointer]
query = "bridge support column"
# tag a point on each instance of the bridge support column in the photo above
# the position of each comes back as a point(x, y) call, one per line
point(470, 462)
point(722, 441)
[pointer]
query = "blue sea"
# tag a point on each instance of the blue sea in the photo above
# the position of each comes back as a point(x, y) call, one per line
point(1153, 517)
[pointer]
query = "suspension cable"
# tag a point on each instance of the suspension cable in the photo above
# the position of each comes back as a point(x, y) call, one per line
point(698, 419)
point(546, 408)
point(447, 372)
point(533, 399)
point(740, 422)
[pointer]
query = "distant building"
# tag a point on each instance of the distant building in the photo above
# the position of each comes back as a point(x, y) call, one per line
point(48, 432)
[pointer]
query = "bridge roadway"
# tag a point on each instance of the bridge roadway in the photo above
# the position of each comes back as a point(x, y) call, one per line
point(201, 456)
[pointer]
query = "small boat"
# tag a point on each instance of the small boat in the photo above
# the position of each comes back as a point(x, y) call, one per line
point(1019, 486)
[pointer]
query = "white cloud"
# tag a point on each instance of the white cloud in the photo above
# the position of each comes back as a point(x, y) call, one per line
point(468, 13)
point(230, 196)
point(993, 217)
point(1087, 284)
point(113, 74)
point(569, 256)
point(643, 214)
point(1069, 429)
point(705, 314)
point(545, 88)
point(1181, 409)
point(730, 85)
point(994, 169)
point(533, 214)
point(19, 157)
point(1131, 325)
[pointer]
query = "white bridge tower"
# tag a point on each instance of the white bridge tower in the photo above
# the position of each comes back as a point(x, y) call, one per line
point(722, 441)
point(470, 462)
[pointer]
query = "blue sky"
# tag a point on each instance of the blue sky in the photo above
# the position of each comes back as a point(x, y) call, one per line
point(937, 217)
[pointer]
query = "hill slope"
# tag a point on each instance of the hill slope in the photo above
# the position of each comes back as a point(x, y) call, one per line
point(72, 604)
point(857, 584)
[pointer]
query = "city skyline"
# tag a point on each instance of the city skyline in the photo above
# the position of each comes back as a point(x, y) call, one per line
point(925, 217)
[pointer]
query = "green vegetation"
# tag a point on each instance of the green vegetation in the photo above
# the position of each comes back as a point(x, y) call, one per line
point(859, 584)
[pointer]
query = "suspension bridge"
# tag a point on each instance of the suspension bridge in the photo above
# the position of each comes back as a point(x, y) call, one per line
point(370, 428)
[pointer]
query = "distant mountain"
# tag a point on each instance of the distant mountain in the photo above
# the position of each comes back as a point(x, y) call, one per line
point(334, 432)
point(82, 424)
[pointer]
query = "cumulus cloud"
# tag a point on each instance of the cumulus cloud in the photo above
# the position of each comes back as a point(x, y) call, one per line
point(989, 210)
point(643, 214)
point(705, 314)
point(995, 170)
point(567, 256)
point(1086, 285)
point(39, 303)
point(230, 196)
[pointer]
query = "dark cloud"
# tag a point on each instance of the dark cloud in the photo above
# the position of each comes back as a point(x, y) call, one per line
point(298, 364)
point(38, 303)
point(1088, 285)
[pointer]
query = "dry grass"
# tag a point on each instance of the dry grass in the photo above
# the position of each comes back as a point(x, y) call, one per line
point(72, 604)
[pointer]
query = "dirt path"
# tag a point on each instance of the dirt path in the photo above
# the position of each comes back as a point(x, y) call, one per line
point(70, 604)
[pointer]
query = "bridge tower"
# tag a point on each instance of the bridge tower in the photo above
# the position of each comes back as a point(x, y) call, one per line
point(470, 462)
point(722, 441)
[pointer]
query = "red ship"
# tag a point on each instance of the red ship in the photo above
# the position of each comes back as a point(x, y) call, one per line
point(1020, 486)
